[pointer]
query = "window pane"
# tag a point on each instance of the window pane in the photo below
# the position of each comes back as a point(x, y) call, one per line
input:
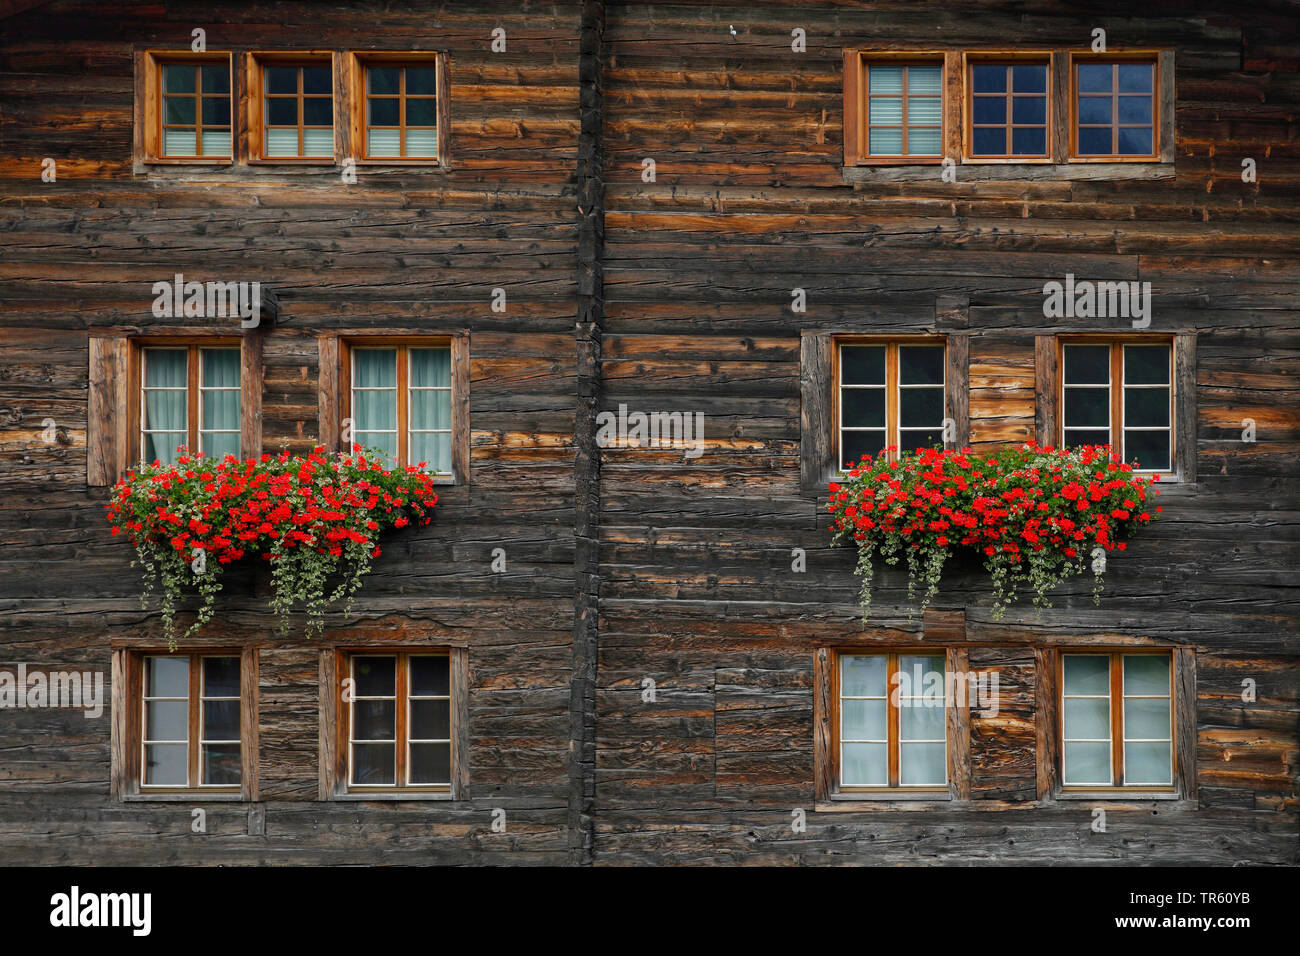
point(317, 79)
point(421, 113)
point(432, 448)
point(1149, 449)
point(1095, 142)
point(1087, 763)
point(220, 409)
point(1026, 142)
point(1029, 109)
point(885, 142)
point(216, 111)
point(374, 368)
point(989, 109)
point(179, 142)
point(219, 444)
point(282, 142)
point(1135, 109)
point(885, 110)
point(178, 78)
point(863, 407)
point(216, 143)
point(1087, 407)
point(924, 110)
point(430, 676)
point(385, 112)
point(221, 764)
point(862, 675)
point(992, 141)
point(1146, 364)
point(165, 368)
point(1094, 109)
point(1146, 407)
point(220, 720)
point(167, 677)
point(1135, 142)
point(1146, 674)
point(1086, 674)
point(385, 442)
point(430, 368)
point(1087, 364)
point(281, 79)
point(422, 143)
point(318, 142)
point(180, 110)
point(863, 720)
point(921, 719)
point(383, 142)
point(375, 410)
point(923, 142)
point(220, 368)
point(855, 445)
point(216, 78)
point(1094, 77)
point(912, 441)
point(166, 765)
point(374, 764)
point(1087, 718)
point(920, 364)
point(166, 720)
point(862, 365)
point(375, 676)
point(1029, 78)
point(988, 78)
point(922, 765)
point(163, 447)
point(1136, 77)
point(420, 80)
point(282, 112)
point(1077, 438)
point(374, 720)
point(885, 79)
point(1147, 763)
point(864, 765)
point(430, 720)
point(919, 407)
point(924, 79)
point(317, 112)
point(430, 409)
point(1146, 718)
point(221, 677)
point(430, 763)
point(384, 79)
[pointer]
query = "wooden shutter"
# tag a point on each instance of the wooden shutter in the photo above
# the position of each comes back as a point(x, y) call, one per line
point(852, 106)
point(106, 410)
point(816, 443)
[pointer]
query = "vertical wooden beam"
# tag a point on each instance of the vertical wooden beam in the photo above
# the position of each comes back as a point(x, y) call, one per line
point(106, 415)
point(345, 105)
point(443, 105)
point(1185, 424)
point(1046, 405)
point(327, 687)
point(1047, 720)
point(249, 710)
point(327, 404)
point(251, 376)
point(852, 107)
point(957, 390)
point(823, 758)
point(952, 94)
point(460, 430)
point(120, 731)
point(240, 108)
point(1167, 106)
point(1061, 119)
point(460, 683)
point(1184, 665)
point(816, 443)
point(959, 763)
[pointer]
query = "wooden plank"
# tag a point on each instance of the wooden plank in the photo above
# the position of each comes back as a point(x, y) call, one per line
point(328, 398)
point(816, 443)
point(251, 374)
point(823, 707)
point(1060, 129)
point(461, 682)
point(327, 725)
point(249, 713)
point(958, 713)
point(1185, 407)
point(106, 437)
point(852, 78)
point(344, 104)
point(952, 94)
point(460, 423)
point(1046, 408)
point(1168, 106)
point(443, 107)
point(1047, 719)
point(120, 739)
point(957, 377)
point(1185, 719)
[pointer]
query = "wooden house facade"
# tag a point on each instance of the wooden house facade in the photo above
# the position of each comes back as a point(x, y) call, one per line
point(593, 210)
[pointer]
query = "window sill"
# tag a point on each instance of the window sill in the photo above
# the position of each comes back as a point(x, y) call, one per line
point(391, 795)
point(1119, 796)
point(994, 172)
point(862, 800)
point(197, 796)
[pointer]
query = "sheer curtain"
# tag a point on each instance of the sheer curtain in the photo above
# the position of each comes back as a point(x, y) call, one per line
point(219, 402)
point(163, 423)
point(430, 424)
point(374, 400)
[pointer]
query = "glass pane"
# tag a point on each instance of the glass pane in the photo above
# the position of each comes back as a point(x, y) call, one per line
point(920, 365)
point(384, 79)
point(280, 112)
point(1027, 142)
point(374, 764)
point(430, 763)
point(281, 79)
point(919, 407)
point(165, 410)
point(374, 676)
point(1146, 674)
point(1094, 77)
point(430, 409)
point(421, 80)
point(430, 720)
point(1087, 364)
point(166, 765)
point(421, 113)
point(220, 368)
point(167, 677)
point(1029, 109)
point(923, 719)
point(1029, 78)
point(375, 411)
point(318, 142)
point(924, 79)
point(912, 441)
point(856, 445)
point(1146, 718)
point(383, 142)
point(1135, 142)
point(1087, 407)
point(385, 111)
point(1087, 718)
point(864, 765)
point(885, 79)
point(1077, 437)
point(1146, 407)
point(317, 79)
point(220, 720)
point(178, 78)
point(862, 365)
point(430, 676)
point(989, 78)
point(430, 368)
point(989, 142)
point(885, 142)
point(885, 110)
point(216, 143)
point(216, 111)
point(422, 143)
point(1086, 674)
point(165, 368)
point(1146, 364)
point(1087, 763)
point(166, 720)
point(922, 765)
point(163, 447)
point(281, 142)
point(374, 720)
point(1095, 142)
point(1135, 109)
point(1149, 449)
point(924, 110)
point(432, 448)
point(220, 409)
point(989, 109)
point(1147, 763)
point(1094, 109)
point(219, 445)
point(221, 677)
point(1135, 77)
point(221, 764)
point(180, 110)
point(863, 720)
point(374, 368)
point(179, 142)
point(385, 442)
point(317, 112)
point(862, 675)
point(921, 676)
point(216, 78)
point(923, 142)
point(863, 407)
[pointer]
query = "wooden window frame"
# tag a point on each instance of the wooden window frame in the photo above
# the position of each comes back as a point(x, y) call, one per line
point(250, 388)
point(357, 63)
point(335, 402)
point(256, 62)
point(128, 711)
point(335, 769)
point(1010, 58)
point(149, 106)
point(1158, 105)
point(857, 106)
point(1049, 725)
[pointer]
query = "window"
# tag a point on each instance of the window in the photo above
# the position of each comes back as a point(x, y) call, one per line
point(904, 109)
point(189, 398)
point(1114, 114)
point(1117, 719)
point(400, 401)
point(1008, 108)
point(888, 393)
point(188, 109)
point(397, 720)
point(890, 723)
point(401, 107)
point(1120, 393)
point(292, 100)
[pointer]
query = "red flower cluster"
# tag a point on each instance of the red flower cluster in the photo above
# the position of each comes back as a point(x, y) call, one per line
point(267, 506)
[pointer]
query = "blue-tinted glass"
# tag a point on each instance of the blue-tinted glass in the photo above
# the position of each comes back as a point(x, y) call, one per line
point(1094, 109)
point(989, 109)
point(1028, 110)
point(1094, 141)
point(1135, 141)
point(989, 79)
point(1094, 77)
point(281, 79)
point(1030, 78)
point(989, 141)
point(1029, 141)
point(1135, 77)
point(1135, 109)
